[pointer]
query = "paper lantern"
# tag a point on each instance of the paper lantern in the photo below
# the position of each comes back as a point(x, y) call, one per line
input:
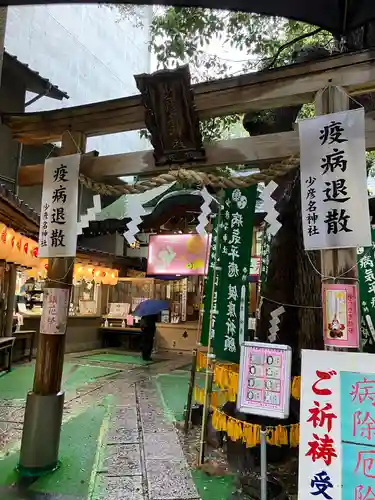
point(114, 277)
point(31, 252)
point(106, 276)
point(15, 249)
point(98, 275)
point(4, 248)
point(42, 266)
point(89, 273)
point(24, 257)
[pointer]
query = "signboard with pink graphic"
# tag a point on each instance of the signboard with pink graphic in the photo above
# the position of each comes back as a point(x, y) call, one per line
point(264, 379)
point(340, 315)
point(177, 254)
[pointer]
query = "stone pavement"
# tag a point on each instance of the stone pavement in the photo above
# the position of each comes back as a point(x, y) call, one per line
point(142, 458)
point(136, 455)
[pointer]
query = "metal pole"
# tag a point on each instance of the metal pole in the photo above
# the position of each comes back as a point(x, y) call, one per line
point(209, 346)
point(263, 463)
point(206, 407)
point(190, 393)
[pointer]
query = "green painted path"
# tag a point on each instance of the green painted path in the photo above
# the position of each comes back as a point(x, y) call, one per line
point(78, 445)
point(17, 383)
point(173, 389)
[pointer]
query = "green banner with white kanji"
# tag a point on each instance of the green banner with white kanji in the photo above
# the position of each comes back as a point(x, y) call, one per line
point(231, 289)
point(366, 278)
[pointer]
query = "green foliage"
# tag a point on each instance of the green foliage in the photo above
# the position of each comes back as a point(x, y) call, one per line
point(183, 36)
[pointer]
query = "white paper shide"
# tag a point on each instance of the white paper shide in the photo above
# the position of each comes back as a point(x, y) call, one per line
point(58, 218)
point(334, 197)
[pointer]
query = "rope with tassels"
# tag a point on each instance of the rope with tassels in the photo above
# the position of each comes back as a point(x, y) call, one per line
point(192, 177)
point(226, 377)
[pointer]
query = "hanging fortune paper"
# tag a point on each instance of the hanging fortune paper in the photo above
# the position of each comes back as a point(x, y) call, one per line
point(269, 207)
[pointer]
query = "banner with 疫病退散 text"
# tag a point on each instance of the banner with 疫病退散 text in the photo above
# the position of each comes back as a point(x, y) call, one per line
point(334, 181)
point(58, 216)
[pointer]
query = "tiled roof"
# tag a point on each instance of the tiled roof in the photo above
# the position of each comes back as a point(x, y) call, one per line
point(33, 80)
point(16, 202)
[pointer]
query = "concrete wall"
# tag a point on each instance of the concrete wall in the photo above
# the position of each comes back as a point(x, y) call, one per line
point(88, 52)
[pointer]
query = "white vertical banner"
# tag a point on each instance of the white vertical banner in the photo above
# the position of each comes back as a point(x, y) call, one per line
point(184, 299)
point(334, 198)
point(58, 216)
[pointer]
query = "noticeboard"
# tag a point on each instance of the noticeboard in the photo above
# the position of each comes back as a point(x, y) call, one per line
point(264, 379)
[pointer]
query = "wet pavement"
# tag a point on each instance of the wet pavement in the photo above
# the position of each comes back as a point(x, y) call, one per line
point(117, 442)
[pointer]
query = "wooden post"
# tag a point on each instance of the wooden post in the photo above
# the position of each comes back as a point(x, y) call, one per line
point(44, 407)
point(51, 348)
point(10, 302)
point(335, 262)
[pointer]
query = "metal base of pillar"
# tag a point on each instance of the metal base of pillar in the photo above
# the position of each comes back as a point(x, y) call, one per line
point(41, 434)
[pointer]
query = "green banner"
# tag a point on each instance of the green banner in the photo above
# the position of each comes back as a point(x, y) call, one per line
point(207, 293)
point(231, 286)
point(366, 278)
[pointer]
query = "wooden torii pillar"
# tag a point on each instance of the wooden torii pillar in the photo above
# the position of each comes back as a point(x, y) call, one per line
point(44, 405)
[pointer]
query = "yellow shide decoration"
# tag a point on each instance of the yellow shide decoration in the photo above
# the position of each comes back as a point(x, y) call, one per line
point(226, 379)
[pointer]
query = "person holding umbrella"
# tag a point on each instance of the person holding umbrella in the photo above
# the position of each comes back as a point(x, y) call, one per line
point(148, 327)
point(149, 311)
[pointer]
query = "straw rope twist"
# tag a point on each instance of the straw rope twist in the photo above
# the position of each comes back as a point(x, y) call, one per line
point(189, 177)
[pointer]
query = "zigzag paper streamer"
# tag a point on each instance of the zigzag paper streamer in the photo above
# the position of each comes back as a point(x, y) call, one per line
point(205, 212)
point(90, 214)
point(269, 207)
point(275, 323)
point(135, 211)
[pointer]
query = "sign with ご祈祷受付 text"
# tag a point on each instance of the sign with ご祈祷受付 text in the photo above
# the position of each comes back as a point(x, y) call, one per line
point(58, 216)
point(335, 211)
point(337, 426)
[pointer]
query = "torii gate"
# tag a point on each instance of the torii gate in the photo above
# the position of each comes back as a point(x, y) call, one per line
point(171, 110)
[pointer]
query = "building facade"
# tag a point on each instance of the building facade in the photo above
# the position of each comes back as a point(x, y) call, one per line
point(89, 51)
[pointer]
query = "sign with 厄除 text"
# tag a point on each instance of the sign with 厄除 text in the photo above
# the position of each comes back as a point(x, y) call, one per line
point(337, 426)
point(55, 311)
point(264, 379)
point(340, 315)
point(58, 215)
point(335, 212)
